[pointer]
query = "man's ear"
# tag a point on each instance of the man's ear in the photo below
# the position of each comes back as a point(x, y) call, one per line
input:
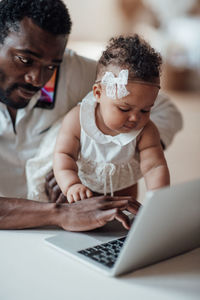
point(97, 90)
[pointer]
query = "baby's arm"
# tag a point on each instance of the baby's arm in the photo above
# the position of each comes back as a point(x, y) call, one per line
point(65, 157)
point(152, 161)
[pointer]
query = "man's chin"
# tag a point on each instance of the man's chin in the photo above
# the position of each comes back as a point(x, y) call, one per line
point(19, 104)
point(14, 101)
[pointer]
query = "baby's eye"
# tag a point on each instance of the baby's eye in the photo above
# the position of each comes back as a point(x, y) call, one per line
point(145, 111)
point(124, 109)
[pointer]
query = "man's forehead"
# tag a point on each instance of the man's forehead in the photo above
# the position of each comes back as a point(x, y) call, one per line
point(31, 37)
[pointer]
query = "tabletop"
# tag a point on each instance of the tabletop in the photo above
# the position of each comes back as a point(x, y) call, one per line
point(31, 269)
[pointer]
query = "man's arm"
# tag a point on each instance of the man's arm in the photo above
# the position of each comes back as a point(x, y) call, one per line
point(83, 215)
point(167, 118)
point(20, 213)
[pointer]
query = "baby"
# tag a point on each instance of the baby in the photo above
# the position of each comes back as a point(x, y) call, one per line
point(108, 142)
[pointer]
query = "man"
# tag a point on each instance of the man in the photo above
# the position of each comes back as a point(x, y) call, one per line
point(33, 37)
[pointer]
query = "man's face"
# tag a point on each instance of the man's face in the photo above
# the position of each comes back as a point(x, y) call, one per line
point(28, 59)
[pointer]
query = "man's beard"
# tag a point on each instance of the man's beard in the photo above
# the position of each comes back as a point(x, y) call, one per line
point(21, 103)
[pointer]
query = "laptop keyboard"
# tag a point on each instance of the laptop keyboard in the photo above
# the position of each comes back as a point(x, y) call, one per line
point(106, 253)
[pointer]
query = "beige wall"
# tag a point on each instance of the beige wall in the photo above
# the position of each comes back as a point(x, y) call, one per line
point(95, 20)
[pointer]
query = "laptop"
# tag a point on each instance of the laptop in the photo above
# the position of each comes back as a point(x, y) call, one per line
point(166, 225)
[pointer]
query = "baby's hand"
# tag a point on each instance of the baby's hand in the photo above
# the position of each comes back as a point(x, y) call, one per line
point(78, 192)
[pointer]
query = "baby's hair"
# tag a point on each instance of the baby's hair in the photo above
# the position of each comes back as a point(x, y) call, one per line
point(132, 53)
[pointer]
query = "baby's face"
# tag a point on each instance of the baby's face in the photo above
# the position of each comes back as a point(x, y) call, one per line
point(114, 116)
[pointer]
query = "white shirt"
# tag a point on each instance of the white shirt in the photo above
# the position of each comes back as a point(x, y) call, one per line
point(32, 123)
point(77, 74)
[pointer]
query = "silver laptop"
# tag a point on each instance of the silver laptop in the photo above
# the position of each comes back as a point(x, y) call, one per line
point(167, 224)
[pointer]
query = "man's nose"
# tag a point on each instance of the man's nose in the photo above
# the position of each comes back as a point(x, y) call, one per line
point(35, 77)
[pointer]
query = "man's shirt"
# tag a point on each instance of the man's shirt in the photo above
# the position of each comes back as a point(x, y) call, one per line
point(77, 75)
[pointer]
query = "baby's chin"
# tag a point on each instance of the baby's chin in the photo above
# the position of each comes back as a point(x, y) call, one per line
point(126, 129)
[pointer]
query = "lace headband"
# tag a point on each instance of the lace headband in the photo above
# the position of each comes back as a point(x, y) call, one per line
point(116, 85)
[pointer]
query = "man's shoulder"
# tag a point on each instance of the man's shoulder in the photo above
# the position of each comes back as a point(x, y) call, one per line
point(72, 59)
point(77, 75)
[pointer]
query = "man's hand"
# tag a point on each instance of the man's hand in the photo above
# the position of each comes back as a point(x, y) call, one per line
point(82, 215)
point(52, 189)
point(89, 213)
point(95, 212)
point(78, 192)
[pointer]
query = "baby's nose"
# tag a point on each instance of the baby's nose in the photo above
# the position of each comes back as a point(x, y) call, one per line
point(134, 116)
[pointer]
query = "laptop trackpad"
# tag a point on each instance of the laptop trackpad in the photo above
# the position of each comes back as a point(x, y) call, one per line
point(110, 231)
point(75, 241)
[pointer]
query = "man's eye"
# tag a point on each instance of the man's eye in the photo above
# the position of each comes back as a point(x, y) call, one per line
point(124, 109)
point(24, 60)
point(51, 68)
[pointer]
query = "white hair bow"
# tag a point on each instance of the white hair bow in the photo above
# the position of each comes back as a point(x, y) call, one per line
point(116, 83)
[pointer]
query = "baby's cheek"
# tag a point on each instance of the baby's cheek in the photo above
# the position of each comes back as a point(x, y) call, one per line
point(145, 119)
point(118, 121)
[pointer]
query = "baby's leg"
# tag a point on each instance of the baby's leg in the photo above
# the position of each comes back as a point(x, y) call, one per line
point(129, 191)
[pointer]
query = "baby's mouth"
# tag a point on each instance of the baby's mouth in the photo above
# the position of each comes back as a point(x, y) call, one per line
point(130, 126)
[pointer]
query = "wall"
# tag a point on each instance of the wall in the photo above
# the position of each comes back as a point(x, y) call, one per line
point(95, 20)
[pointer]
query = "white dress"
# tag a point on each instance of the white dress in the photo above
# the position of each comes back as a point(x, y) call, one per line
point(106, 163)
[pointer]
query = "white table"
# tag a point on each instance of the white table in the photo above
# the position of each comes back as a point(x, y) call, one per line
point(31, 270)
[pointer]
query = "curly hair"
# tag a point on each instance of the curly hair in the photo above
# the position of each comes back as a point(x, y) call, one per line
point(50, 15)
point(132, 53)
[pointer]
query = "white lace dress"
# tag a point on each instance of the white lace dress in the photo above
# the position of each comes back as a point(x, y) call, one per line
point(106, 163)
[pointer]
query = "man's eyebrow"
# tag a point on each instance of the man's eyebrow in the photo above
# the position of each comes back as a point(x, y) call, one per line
point(27, 51)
